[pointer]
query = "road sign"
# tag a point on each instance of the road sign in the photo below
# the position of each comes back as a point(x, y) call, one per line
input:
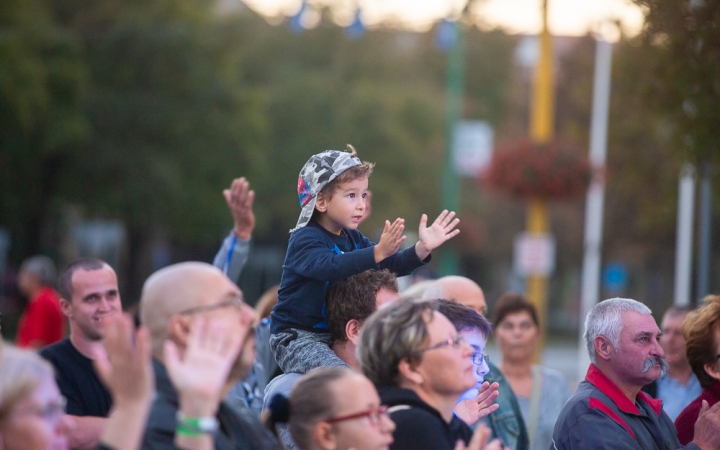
point(472, 147)
point(534, 254)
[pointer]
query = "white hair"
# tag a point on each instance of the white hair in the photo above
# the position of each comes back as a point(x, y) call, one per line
point(605, 319)
point(42, 267)
point(418, 291)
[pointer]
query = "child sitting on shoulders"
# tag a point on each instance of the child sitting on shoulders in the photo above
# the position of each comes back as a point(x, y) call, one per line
point(326, 246)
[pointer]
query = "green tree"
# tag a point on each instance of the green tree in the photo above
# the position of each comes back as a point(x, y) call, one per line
point(683, 78)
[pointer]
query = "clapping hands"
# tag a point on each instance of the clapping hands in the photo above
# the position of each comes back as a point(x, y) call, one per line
point(432, 237)
point(474, 409)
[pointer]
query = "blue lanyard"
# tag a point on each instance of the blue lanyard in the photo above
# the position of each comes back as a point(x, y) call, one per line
point(230, 253)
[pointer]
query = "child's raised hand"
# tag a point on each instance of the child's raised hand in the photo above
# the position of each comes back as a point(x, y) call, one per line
point(390, 240)
point(440, 231)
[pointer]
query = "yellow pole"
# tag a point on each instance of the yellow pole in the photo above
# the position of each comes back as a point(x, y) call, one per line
point(541, 130)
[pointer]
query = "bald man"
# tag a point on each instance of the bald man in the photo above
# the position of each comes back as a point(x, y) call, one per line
point(172, 297)
point(506, 422)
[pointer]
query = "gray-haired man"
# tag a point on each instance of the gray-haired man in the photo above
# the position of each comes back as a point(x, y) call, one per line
point(608, 410)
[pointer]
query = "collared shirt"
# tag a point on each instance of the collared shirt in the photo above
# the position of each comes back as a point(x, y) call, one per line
point(675, 395)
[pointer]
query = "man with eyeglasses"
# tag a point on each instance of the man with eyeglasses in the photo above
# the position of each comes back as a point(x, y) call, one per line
point(474, 329)
point(172, 298)
point(506, 423)
point(420, 366)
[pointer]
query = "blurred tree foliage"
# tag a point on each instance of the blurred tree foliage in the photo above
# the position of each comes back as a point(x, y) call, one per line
point(144, 111)
point(684, 78)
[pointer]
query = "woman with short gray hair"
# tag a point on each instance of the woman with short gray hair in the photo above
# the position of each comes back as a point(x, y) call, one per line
point(421, 367)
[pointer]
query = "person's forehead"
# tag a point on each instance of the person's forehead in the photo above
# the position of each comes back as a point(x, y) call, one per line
point(384, 296)
point(466, 294)
point(634, 323)
point(474, 337)
point(354, 392)
point(518, 316)
point(673, 320)
point(439, 325)
point(103, 278)
point(47, 390)
point(219, 288)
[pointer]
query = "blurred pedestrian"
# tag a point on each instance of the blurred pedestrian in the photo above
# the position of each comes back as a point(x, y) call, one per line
point(478, 401)
point(506, 423)
point(42, 322)
point(701, 330)
point(678, 386)
point(541, 392)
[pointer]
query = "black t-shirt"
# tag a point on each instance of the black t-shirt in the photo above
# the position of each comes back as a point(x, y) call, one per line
point(77, 380)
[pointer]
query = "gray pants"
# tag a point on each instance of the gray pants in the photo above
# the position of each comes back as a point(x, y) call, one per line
point(300, 351)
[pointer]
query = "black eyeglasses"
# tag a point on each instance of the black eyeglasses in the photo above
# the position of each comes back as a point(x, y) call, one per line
point(373, 415)
point(450, 342)
point(236, 302)
point(478, 358)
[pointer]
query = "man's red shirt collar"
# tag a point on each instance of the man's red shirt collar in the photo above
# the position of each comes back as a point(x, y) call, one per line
point(598, 379)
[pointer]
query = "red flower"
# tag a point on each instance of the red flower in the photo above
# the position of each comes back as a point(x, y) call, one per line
point(528, 170)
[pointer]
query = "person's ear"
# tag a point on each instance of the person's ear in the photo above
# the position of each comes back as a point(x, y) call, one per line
point(409, 371)
point(324, 436)
point(712, 370)
point(603, 347)
point(66, 307)
point(321, 202)
point(178, 329)
point(352, 330)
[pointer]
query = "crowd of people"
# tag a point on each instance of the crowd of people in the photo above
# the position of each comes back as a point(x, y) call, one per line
point(335, 358)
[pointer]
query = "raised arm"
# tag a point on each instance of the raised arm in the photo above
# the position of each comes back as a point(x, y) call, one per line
point(233, 253)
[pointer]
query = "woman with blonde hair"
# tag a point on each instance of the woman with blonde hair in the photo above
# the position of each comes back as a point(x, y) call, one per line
point(701, 329)
point(31, 407)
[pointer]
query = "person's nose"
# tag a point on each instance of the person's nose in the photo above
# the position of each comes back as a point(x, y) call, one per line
point(657, 349)
point(247, 314)
point(466, 349)
point(483, 369)
point(65, 424)
point(386, 423)
point(104, 304)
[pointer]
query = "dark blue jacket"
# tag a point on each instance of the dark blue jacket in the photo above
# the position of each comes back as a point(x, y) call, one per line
point(599, 416)
point(315, 257)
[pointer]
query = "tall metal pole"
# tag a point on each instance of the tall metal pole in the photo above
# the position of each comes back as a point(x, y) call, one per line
point(704, 232)
point(541, 130)
point(454, 101)
point(683, 243)
point(596, 193)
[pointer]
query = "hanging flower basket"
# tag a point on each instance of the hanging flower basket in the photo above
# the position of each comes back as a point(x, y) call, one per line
point(526, 170)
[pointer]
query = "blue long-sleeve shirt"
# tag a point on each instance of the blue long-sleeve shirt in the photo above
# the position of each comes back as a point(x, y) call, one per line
point(316, 257)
